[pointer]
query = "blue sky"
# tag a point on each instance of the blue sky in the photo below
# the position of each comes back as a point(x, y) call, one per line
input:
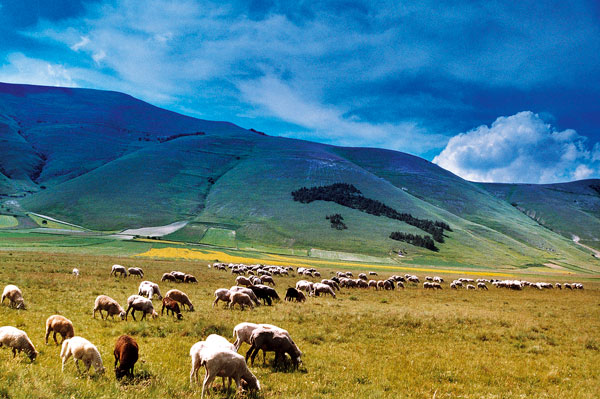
point(493, 91)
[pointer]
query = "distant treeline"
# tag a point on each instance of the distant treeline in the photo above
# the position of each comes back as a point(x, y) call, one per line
point(348, 195)
point(336, 221)
point(163, 139)
point(416, 240)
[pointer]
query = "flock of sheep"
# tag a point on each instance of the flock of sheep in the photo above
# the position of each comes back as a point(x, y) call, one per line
point(216, 353)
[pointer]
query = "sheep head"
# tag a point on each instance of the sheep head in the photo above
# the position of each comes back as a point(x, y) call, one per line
point(122, 315)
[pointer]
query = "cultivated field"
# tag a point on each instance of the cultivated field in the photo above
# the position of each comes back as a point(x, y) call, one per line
point(366, 344)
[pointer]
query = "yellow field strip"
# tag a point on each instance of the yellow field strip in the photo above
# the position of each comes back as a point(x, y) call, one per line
point(208, 255)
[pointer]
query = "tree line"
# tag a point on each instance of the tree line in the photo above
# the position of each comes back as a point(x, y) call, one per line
point(348, 195)
point(414, 239)
point(336, 221)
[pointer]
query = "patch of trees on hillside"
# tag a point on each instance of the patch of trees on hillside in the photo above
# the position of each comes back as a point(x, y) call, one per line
point(348, 195)
point(414, 239)
point(164, 139)
point(336, 221)
point(595, 187)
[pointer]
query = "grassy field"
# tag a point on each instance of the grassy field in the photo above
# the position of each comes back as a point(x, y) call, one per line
point(411, 343)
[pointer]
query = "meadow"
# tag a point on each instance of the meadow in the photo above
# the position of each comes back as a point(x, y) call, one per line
point(365, 344)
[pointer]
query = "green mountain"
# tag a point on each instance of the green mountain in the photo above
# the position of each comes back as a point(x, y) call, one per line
point(106, 161)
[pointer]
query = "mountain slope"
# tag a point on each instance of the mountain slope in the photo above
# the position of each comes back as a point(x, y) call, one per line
point(107, 161)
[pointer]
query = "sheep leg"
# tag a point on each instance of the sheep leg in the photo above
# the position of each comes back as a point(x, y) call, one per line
point(215, 302)
point(194, 372)
point(249, 355)
point(264, 357)
point(14, 351)
point(47, 335)
point(54, 336)
point(208, 379)
point(77, 364)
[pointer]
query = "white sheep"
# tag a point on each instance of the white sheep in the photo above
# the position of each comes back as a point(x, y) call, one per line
point(81, 349)
point(319, 288)
point(239, 298)
point(212, 341)
point(243, 331)
point(136, 271)
point(144, 305)
point(75, 272)
point(111, 307)
point(118, 269)
point(18, 340)
point(304, 285)
point(149, 289)
point(226, 363)
point(247, 291)
point(14, 295)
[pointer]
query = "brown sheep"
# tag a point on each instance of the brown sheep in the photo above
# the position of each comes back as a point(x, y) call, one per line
point(188, 278)
point(61, 325)
point(180, 297)
point(270, 340)
point(126, 354)
point(168, 277)
point(171, 305)
point(239, 298)
point(111, 306)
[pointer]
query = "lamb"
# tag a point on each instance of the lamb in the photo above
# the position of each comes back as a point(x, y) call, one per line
point(226, 363)
point(272, 340)
point(482, 286)
point(18, 340)
point(293, 293)
point(168, 277)
point(14, 295)
point(126, 354)
point(180, 297)
point(144, 305)
point(118, 269)
point(75, 272)
point(81, 349)
point(222, 294)
point(136, 271)
point(149, 289)
point(239, 298)
point(61, 325)
point(323, 289)
point(111, 307)
point(470, 287)
point(188, 278)
point(171, 305)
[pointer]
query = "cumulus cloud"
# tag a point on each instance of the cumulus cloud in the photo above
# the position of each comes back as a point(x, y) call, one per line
point(521, 148)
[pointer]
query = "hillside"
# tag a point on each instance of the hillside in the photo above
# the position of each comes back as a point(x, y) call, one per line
point(106, 161)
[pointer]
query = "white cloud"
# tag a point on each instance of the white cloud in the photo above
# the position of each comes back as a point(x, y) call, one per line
point(279, 99)
point(81, 43)
point(22, 69)
point(521, 148)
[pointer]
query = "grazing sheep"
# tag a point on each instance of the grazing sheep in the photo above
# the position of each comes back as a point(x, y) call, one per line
point(428, 278)
point(61, 325)
point(241, 280)
point(18, 340)
point(149, 289)
point(243, 331)
point(136, 271)
point(180, 297)
point(81, 349)
point(265, 293)
point(239, 298)
point(139, 303)
point(212, 342)
point(126, 354)
point(226, 363)
point(482, 286)
point(14, 295)
point(272, 340)
point(557, 285)
point(319, 288)
point(332, 283)
point(373, 283)
point(222, 294)
point(372, 274)
point(108, 304)
point(267, 279)
point(75, 272)
point(179, 276)
point(247, 291)
point(188, 278)
point(304, 285)
point(171, 305)
point(470, 287)
point(168, 277)
point(118, 269)
point(400, 284)
point(363, 276)
point(293, 293)
point(437, 279)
